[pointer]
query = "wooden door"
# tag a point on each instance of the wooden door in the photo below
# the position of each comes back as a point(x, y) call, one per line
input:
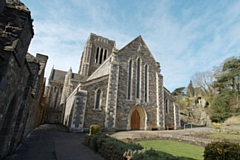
point(135, 121)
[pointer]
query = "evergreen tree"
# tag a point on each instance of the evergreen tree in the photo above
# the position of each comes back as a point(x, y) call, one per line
point(178, 91)
point(226, 103)
point(230, 76)
point(221, 106)
point(190, 89)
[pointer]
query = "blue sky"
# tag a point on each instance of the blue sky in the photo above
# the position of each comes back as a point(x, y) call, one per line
point(185, 36)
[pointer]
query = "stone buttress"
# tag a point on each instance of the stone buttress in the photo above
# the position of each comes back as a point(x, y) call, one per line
point(112, 95)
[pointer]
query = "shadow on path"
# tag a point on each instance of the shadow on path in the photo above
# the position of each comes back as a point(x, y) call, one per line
point(53, 142)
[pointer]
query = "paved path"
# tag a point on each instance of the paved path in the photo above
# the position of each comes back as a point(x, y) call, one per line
point(52, 142)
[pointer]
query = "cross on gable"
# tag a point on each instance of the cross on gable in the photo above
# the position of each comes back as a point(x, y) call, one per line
point(139, 47)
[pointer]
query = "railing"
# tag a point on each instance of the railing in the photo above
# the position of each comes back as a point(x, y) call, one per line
point(191, 125)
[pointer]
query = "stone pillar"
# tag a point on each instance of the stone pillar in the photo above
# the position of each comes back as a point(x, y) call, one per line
point(174, 116)
point(111, 110)
point(160, 101)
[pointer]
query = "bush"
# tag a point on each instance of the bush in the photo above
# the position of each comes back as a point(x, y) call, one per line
point(114, 149)
point(95, 129)
point(222, 151)
point(108, 147)
point(217, 126)
point(153, 155)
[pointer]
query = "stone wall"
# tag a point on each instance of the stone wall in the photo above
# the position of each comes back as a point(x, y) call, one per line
point(169, 108)
point(20, 81)
point(93, 115)
point(15, 35)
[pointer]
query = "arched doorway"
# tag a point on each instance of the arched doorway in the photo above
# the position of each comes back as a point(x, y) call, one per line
point(135, 120)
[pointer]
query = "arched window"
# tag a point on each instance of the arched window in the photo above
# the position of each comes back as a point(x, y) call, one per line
point(138, 78)
point(105, 55)
point(97, 54)
point(146, 82)
point(129, 79)
point(101, 55)
point(166, 106)
point(97, 99)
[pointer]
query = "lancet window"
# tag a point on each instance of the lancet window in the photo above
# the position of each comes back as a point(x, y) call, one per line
point(129, 79)
point(98, 99)
point(138, 78)
point(146, 83)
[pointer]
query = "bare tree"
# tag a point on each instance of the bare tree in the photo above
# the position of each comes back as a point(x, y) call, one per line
point(203, 83)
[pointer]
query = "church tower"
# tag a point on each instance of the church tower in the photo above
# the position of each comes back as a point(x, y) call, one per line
point(97, 49)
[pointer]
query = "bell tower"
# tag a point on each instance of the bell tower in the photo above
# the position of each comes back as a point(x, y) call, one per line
point(96, 50)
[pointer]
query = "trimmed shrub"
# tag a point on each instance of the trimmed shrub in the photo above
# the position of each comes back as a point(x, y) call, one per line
point(108, 147)
point(95, 129)
point(87, 138)
point(114, 149)
point(152, 154)
point(222, 151)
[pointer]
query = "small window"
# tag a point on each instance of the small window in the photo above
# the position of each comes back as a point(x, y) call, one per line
point(97, 99)
point(166, 106)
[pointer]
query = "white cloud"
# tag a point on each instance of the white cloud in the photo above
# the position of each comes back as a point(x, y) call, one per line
point(185, 37)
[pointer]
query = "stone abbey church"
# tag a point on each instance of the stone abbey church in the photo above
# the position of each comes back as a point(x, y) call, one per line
point(117, 89)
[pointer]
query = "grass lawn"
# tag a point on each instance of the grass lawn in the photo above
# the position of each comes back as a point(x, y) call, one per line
point(224, 136)
point(175, 148)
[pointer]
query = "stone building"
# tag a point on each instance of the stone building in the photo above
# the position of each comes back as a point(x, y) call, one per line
point(60, 86)
point(115, 89)
point(21, 76)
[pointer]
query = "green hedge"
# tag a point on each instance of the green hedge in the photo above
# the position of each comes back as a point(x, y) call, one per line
point(114, 149)
point(108, 147)
point(222, 151)
point(152, 154)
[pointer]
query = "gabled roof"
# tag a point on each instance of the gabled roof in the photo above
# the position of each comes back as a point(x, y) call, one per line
point(76, 76)
point(57, 75)
point(140, 40)
point(102, 70)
